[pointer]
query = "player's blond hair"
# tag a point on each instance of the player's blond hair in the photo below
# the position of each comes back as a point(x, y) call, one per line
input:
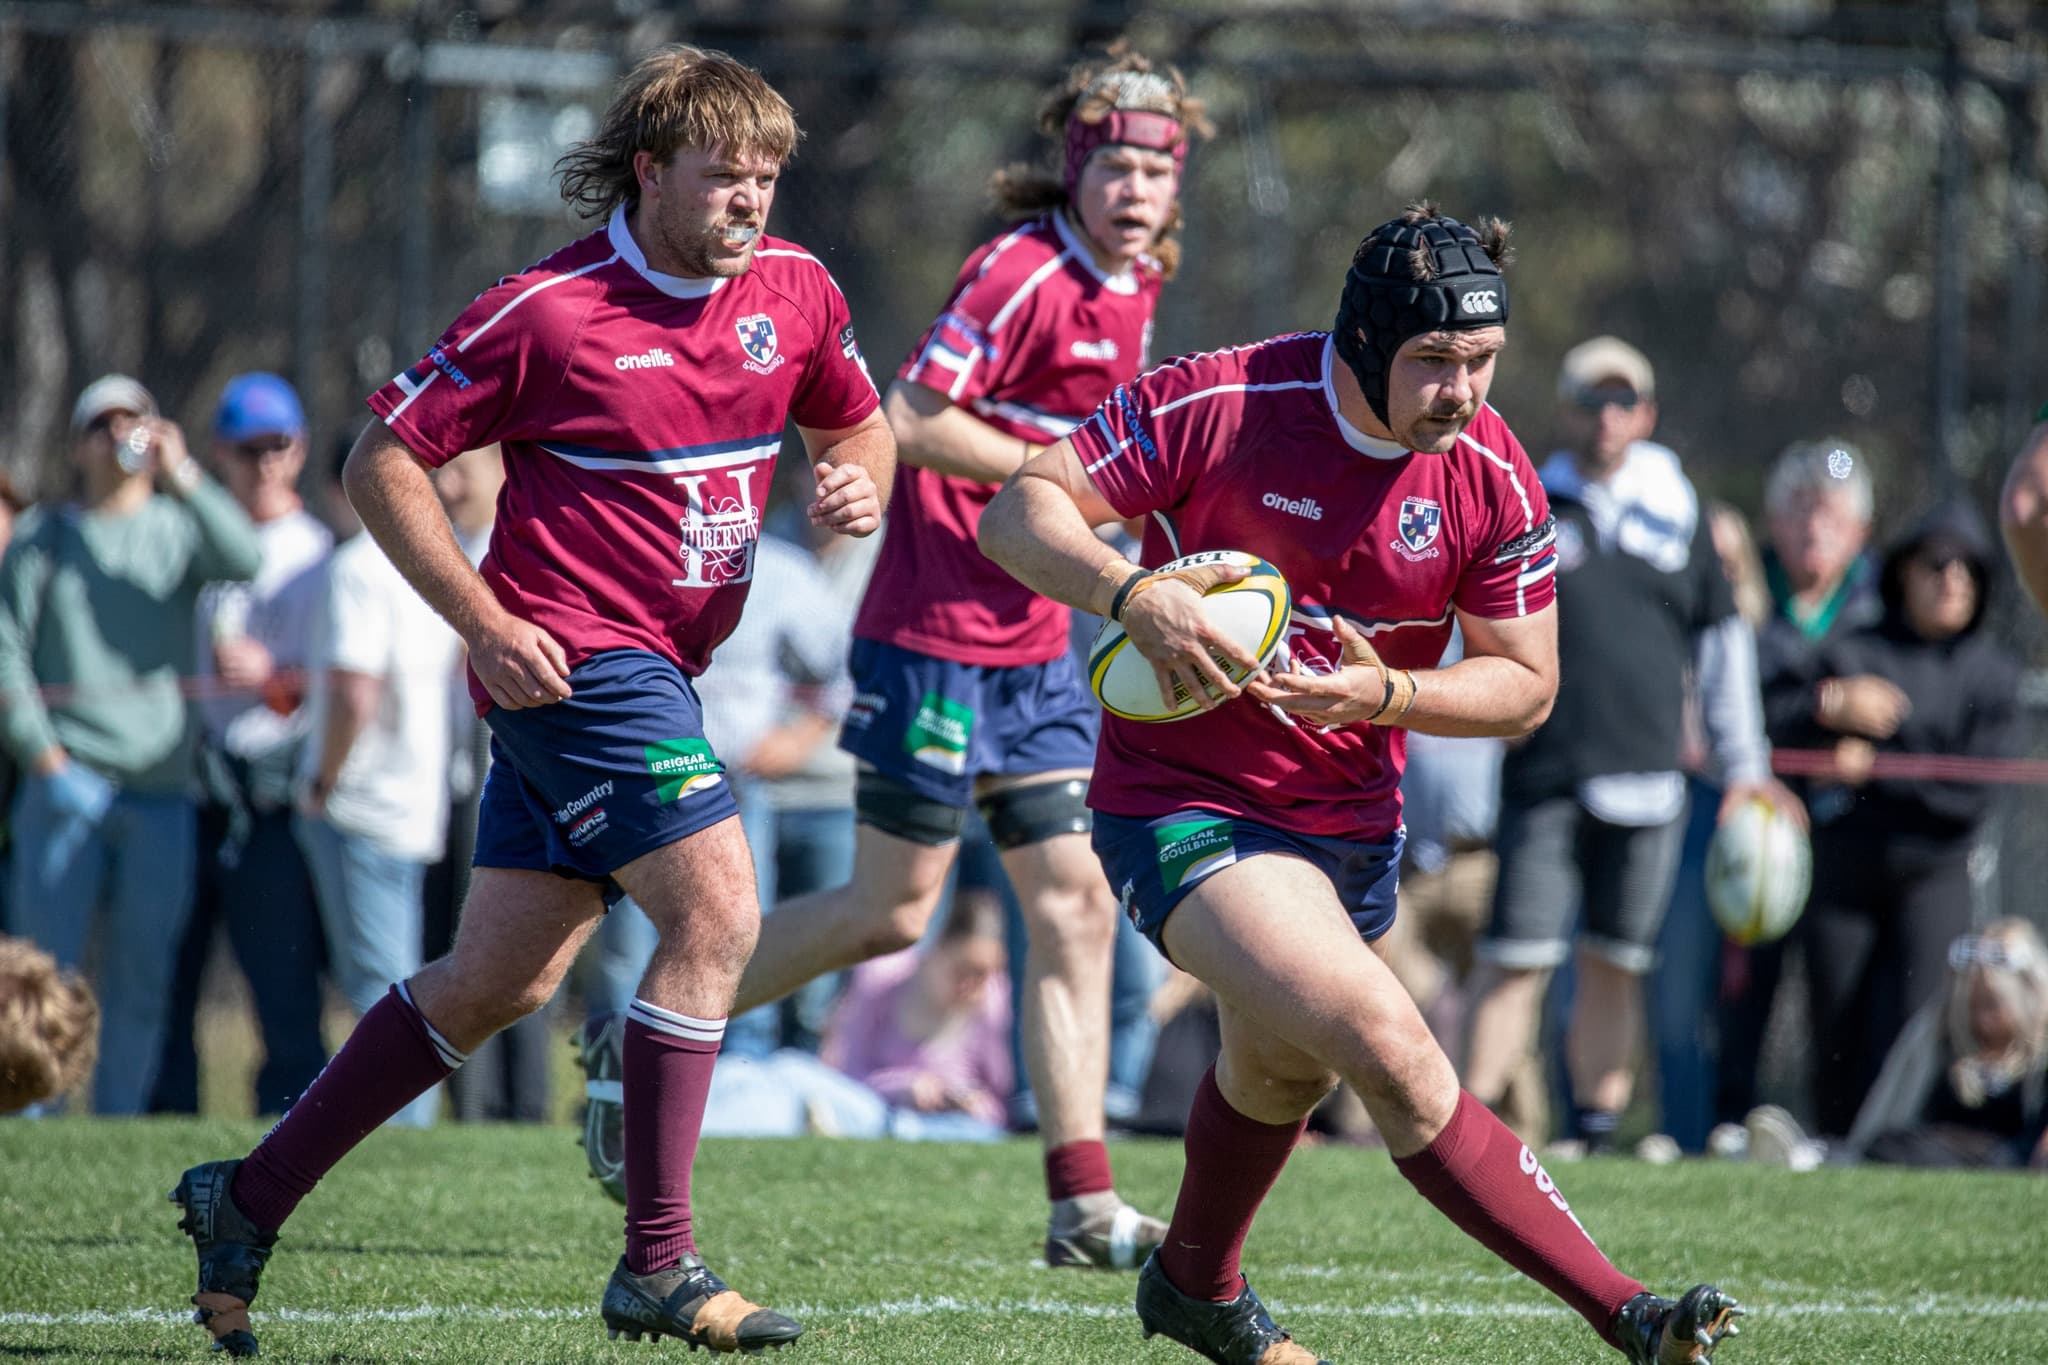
point(49, 1026)
point(677, 96)
point(1089, 92)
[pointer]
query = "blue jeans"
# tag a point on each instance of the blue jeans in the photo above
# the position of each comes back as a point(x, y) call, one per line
point(795, 851)
point(371, 907)
point(1685, 984)
point(82, 844)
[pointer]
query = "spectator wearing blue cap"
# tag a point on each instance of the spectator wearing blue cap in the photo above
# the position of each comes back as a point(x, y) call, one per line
point(97, 597)
point(252, 649)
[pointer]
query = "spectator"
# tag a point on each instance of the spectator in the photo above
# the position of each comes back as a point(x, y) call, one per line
point(1891, 855)
point(1593, 804)
point(13, 502)
point(1687, 978)
point(252, 646)
point(929, 1030)
point(97, 600)
point(373, 805)
point(1967, 1082)
point(1818, 505)
point(506, 1076)
point(49, 1027)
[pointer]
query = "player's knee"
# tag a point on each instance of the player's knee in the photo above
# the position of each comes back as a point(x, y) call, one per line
point(1021, 816)
point(1296, 1094)
point(1072, 921)
point(896, 926)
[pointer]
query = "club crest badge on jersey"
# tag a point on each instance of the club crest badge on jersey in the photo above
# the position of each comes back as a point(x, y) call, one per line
point(758, 340)
point(1421, 520)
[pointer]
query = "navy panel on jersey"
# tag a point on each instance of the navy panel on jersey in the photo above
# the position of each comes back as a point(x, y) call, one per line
point(1154, 864)
point(936, 725)
point(584, 786)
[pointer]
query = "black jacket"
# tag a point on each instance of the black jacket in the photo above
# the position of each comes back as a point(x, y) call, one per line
point(1789, 661)
point(1965, 696)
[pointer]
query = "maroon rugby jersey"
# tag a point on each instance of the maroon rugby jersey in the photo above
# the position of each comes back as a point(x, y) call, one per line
point(1032, 338)
point(640, 415)
point(1244, 450)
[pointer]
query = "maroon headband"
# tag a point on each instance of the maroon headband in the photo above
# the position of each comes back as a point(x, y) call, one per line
point(1126, 127)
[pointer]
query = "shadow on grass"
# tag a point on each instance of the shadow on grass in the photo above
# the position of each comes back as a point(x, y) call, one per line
point(103, 1242)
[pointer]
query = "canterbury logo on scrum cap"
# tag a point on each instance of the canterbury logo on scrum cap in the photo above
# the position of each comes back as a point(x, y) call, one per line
point(652, 359)
point(1479, 302)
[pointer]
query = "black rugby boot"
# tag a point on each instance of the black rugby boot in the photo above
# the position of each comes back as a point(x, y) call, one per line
point(1657, 1331)
point(232, 1251)
point(1236, 1333)
point(691, 1304)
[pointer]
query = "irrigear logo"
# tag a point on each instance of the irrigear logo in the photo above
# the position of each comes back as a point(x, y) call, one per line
point(681, 766)
point(939, 733)
point(1190, 850)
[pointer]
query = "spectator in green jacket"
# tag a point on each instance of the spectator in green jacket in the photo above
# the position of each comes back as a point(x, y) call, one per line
point(96, 652)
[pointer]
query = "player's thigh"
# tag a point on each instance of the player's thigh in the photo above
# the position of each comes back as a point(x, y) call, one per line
point(1270, 937)
point(1538, 888)
point(521, 928)
point(905, 839)
point(1040, 823)
point(700, 884)
point(1628, 873)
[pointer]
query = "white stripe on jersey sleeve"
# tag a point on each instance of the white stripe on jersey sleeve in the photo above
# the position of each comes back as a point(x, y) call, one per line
point(523, 295)
point(1525, 578)
point(412, 391)
point(1024, 291)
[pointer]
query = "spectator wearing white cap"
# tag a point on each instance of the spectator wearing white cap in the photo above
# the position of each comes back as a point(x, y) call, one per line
point(1593, 804)
point(97, 652)
point(252, 650)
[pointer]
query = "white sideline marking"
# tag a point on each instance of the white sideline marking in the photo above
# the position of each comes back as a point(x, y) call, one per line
point(1921, 1306)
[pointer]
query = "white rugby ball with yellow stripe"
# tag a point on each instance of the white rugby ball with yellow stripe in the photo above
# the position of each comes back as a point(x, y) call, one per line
point(1254, 611)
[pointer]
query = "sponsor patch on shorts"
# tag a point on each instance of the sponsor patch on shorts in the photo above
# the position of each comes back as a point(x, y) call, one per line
point(939, 733)
point(1192, 849)
point(682, 766)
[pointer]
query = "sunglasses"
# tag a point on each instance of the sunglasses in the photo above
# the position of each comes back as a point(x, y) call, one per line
point(1593, 400)
point(1972, 950)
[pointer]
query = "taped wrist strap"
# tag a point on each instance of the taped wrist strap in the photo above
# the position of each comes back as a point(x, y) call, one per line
point(1400, 696)
point(1123, 592)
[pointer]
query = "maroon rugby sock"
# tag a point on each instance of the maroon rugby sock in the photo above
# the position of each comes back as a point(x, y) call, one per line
point(668, 1062)
point(393, 1057)
point(1484, 1180)
point(1074, 1169)
point(1232, 1161)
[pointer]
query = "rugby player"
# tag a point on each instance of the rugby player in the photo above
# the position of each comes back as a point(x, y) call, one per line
point(1257, 842)
point(965, 688)
point(640, 380)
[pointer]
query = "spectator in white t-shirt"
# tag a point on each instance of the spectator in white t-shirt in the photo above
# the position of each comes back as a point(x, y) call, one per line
point(373, 803)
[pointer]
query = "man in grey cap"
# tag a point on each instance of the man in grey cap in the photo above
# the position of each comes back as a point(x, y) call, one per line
point(96, 652)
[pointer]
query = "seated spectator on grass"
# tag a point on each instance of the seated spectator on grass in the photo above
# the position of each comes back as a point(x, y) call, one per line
point(929, 1029)
point(1967, 1082)
point(49, 1027)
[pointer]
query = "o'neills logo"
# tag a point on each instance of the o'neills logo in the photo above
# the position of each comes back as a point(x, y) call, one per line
point(1300, 507)
point(583, 803)
point(652, 359)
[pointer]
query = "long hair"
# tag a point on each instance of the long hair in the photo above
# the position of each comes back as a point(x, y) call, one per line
point(677, 96)
point(2021, 986)
point(49, 1026)
point(1089, 92)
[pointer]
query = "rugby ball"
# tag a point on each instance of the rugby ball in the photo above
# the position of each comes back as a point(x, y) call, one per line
point(1759, 871)
point(1254, 611)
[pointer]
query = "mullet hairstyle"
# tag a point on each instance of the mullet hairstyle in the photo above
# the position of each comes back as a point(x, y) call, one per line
point(1024, 190)
point(677, 96)
point(49, 1026)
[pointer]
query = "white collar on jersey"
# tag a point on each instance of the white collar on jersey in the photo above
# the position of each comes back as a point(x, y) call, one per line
point(1353, 437)
point(1124, 281)
point(678, 286)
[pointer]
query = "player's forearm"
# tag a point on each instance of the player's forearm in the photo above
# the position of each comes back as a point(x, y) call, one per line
point(937, 434)
point(1487, 696)
point(2023, 515)
point(1034, 529)
point(394, 496)
point(871, 446)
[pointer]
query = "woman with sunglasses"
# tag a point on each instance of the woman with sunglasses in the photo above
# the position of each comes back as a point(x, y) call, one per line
point(1891, 878)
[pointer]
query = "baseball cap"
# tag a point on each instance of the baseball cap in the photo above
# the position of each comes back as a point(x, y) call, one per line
point(110, 393)
point(1592, 363)
point(258, 404)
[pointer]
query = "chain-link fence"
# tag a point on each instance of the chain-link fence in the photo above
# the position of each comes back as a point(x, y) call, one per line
point(1814, 217)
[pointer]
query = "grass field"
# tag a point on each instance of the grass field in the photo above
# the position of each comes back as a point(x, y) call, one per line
point(490, 1244)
